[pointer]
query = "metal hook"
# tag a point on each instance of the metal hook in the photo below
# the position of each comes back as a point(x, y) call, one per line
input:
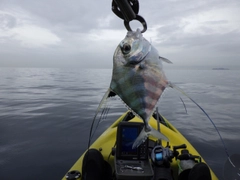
point(141, 20)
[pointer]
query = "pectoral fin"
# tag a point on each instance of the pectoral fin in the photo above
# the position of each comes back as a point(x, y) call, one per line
point(165, 60)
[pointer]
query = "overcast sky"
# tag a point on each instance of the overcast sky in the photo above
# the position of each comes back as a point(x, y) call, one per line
point(85, 33)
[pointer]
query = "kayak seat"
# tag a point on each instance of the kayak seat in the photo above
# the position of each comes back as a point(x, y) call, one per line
point(199, 172)
point(184, 175)
point(95, 167)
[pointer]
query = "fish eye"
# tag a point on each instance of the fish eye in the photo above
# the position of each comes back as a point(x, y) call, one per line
point(126, 48)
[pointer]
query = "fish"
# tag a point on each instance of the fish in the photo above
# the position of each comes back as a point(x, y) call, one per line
point(139, 80)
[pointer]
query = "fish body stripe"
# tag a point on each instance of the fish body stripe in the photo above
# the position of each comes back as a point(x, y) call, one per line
point(140, 91)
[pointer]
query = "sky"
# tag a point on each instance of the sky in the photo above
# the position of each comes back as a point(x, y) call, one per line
point(85, 33)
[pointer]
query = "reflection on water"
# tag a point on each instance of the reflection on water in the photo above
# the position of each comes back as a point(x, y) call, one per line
point(46, 115)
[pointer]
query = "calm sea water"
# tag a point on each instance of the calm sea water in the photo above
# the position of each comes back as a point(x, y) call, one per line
point(45, 116)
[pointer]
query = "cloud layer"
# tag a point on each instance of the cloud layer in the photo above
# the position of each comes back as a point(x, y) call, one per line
point(79, 33)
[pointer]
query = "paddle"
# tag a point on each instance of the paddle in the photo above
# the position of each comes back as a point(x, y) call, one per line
point(232, 168)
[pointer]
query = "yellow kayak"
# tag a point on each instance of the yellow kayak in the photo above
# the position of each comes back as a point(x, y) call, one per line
point(106, 145)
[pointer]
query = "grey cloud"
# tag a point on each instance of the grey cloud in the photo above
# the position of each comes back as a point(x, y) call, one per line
point(73, 20)
point(7, 21)
point(222, 43)
point(216, 22)
point(69, 14)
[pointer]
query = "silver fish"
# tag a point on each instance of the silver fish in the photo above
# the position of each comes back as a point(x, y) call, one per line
point(138, 79)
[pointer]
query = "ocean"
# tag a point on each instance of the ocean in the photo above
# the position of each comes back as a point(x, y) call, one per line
point(46, 113)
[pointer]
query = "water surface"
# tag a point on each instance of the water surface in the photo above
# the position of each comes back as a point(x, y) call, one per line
point(45, 116)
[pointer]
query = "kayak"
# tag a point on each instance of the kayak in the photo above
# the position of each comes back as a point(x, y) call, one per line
point(160, 155)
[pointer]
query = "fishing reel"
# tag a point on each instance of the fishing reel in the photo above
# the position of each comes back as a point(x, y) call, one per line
point(161, 156)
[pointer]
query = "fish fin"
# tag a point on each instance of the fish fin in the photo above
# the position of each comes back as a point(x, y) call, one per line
point(104, 111)
point(174, 86)
point(144, 135)
point(106, 95)
point(215, 127)
point(165, 60)
point(183, 105)
point(171, 85)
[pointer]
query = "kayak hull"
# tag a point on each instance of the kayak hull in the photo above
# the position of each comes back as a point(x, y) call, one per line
point(107, 140)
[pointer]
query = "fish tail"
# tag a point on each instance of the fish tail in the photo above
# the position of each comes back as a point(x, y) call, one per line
point(144, 135)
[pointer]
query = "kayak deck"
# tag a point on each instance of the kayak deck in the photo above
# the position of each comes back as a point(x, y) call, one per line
point(107, 141)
